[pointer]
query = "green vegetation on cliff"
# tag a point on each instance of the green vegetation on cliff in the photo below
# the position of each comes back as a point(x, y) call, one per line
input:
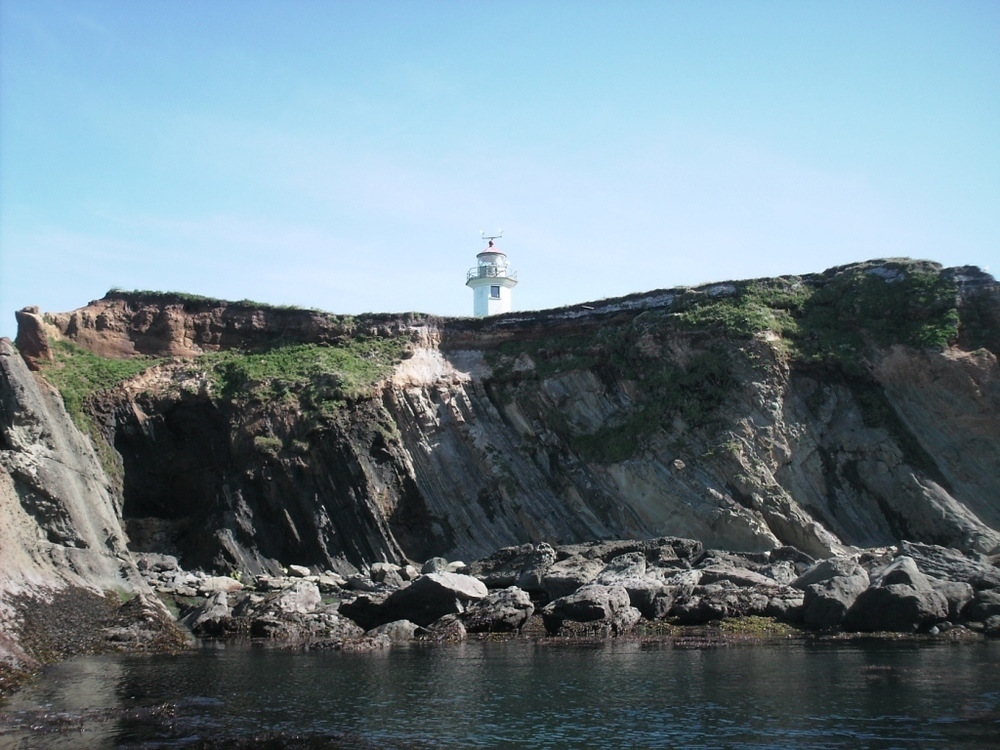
point(685, 359)
point(186, 298)
point(79, 374)
point(834, 320)
point(321, 377)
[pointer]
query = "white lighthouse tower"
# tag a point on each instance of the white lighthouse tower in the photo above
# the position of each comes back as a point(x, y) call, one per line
point(491, 280)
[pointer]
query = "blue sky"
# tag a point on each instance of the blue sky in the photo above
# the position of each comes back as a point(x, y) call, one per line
point(346, 155)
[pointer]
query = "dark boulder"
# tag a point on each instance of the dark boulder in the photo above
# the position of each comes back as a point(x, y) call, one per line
point(984, 604)
point(431, 597)
point(501, 611)
point(447, 629)
point(592, 603)
point(212, 618)
point(900, 599)
point(956, 594)
point(504, 567)
point(366, 609)
point(830, 588)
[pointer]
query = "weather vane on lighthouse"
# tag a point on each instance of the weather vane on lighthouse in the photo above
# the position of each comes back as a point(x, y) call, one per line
point(491, 279)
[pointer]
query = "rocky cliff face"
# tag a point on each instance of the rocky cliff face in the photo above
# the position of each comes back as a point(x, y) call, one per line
point(852, 408)
point(64, 563)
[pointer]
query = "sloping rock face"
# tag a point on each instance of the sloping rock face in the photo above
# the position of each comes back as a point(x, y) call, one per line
point(60, 535)
point(852, 408)
point(60, 521)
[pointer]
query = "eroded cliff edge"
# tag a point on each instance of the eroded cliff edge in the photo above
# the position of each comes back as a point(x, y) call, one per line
point(856, 407)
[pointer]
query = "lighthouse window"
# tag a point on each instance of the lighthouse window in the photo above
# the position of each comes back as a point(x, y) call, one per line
point(495, 292)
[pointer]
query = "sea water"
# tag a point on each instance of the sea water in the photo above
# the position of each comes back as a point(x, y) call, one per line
point(525, 694)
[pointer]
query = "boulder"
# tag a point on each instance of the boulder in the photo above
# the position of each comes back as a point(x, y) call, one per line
point(320, 626)
point(956, 594)
point(782, 571)
point(537, 563)
point(155, 562)
point(430, 597)
point(642, 593)
point(953, 565)
point(408, 573)
point(447, 629)
point(590, 603)
point(784, 603)
point(212, 618)
point(984, 604)
point(690, 551)
point(748, 560)
point(566, 576)
point(363, 583)
point(739, 576)
point(501, 611)
point(398, 631)
point(366, 609)
point(435, 565)
point(302, 597)
point(825, 602)
point(720, 600)
point(379, 568)
point(797, 557)
point(503, 567)
point(389, 578)
point(219, 583)
point(273, 583)
point(663, 602)
point(329, 584)
point(299, 571)
point(900, 599)
point(991, 626)
point(824, 570)
point(630, 565)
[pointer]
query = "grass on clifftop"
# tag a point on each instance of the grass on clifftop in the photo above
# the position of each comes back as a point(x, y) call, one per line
point(835, 321)
point(320, 377)
point(186, 298)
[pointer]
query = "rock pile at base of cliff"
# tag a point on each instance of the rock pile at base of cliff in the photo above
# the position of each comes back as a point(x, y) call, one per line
point(602, 589)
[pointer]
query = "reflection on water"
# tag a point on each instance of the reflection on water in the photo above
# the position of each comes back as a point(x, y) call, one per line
point(530, 695)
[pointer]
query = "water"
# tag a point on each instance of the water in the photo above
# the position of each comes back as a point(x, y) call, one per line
point(872, 694)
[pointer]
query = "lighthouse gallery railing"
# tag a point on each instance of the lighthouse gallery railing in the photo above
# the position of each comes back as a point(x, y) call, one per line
point(490, 272)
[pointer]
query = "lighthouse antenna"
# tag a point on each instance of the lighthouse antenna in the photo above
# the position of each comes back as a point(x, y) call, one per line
point(496, 236)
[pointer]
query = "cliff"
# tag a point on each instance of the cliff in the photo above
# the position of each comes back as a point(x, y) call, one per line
point(67, 581)
point(852, 408)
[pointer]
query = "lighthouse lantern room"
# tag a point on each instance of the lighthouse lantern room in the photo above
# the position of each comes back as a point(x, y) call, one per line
point(491, 280)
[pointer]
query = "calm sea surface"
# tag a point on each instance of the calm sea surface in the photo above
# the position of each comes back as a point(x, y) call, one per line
point(526, 695)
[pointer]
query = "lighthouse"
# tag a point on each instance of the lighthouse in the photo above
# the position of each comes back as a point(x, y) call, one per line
point(491, 280)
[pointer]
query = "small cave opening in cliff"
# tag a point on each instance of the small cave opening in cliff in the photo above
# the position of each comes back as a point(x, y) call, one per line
point(173, 468)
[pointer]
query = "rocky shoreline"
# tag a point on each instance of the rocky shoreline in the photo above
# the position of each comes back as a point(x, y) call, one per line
point(662, 587)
